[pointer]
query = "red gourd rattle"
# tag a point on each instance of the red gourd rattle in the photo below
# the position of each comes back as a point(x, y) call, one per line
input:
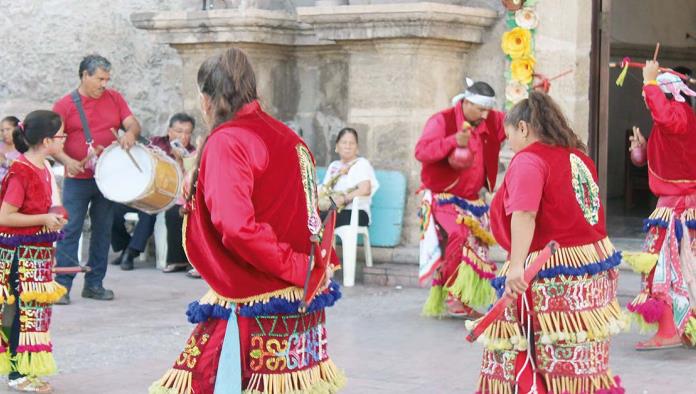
point(461, 158)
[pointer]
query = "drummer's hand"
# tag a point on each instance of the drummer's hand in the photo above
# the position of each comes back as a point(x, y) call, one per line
point(73, 167)
point(327, 278)
point(514, 281)
point(54, 222)
point(637, 139)
point(127, 140)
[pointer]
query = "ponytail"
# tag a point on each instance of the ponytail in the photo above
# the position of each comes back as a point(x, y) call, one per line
point(545, 117)
point(37, 126)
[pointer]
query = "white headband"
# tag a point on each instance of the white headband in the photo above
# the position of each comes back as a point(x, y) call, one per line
point(479, 99)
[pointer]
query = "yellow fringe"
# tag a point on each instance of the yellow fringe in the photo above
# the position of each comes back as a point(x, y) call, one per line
point(323, 378)
point(10, 299)
point(578, 256)
point(289, 293)
point(35, 363)
point(489, 385)
point(582, 326)
point(5, 365)
point(641, 262)
point(174, 381)
point(475, 227)
point(579, 384)
point(44, 293)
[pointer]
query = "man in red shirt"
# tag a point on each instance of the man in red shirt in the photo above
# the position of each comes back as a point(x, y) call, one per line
point(667, 261)
point(105, 111)
point(451, 203)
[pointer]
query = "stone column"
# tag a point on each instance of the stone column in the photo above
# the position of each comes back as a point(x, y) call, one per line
point(405, 62)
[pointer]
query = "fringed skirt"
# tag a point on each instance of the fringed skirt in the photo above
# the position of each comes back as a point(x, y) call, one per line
point(561, 330)
point(668, 267)
point(464, 272)
point(33, 297)
point(282, 351)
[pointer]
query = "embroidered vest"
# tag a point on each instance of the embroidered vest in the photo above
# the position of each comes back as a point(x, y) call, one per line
point(570, 211)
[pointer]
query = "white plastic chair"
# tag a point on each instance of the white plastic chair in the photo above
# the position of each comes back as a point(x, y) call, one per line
point(349, 241)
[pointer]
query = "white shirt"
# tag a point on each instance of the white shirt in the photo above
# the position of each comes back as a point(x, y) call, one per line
point(360, 171)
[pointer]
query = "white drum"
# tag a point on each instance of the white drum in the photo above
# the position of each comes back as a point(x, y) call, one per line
point(153, 190)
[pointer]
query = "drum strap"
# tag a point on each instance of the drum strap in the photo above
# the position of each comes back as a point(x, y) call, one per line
point(75, 95)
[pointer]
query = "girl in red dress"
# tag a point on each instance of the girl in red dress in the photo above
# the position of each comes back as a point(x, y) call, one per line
point(27, 233)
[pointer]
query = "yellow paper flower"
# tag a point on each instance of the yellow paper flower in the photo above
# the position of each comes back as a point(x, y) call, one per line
point(522, 69)
point(517, 43)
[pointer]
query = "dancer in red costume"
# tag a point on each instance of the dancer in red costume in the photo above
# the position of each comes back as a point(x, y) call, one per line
point(251, 225)
point(668, 297)
point(459, 151)
point(555, 339)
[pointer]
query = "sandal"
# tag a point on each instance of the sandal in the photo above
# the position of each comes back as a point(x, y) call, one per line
point(174, 267)
point(658, 343)
point(28, 384)
point(458, 310)
point(193, 274)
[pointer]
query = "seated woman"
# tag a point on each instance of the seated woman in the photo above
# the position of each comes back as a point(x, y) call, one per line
point(349, 177)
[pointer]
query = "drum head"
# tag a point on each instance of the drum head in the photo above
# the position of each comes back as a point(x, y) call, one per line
point(118, 178)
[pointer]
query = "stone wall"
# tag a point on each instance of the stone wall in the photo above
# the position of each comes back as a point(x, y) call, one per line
point(42, 43)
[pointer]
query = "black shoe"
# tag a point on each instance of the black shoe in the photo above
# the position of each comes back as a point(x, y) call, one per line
point(127, 259)
point(98, 293)
point(64, 300)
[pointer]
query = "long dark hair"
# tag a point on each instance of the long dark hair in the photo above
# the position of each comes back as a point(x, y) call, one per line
point(545, 117)
point(229, 81)
point(36, 126)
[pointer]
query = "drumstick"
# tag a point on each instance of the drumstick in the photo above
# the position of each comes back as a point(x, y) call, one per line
point(657, 50)
point(130, 155)
point(71, 270)
point(529, 273)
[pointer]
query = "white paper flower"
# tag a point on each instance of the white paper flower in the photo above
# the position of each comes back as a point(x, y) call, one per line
point(515, 92)
point(526, 18)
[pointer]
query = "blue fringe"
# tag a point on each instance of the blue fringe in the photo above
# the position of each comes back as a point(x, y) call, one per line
point(476, 210)
point(19, 239)
point(279, 306)
point(678, 230)
point(650, 223)
point(198, 313)
point(691, 224)
point(590, 269)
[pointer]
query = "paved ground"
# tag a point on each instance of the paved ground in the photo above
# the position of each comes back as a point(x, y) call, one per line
point(376, 335)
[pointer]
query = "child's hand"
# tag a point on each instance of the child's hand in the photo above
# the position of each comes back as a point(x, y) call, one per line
point(54, 222)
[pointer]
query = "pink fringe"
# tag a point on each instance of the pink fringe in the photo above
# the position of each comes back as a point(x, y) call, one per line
point(34, 348)
point(651, 309)
point(613, 390)
point(481, 273)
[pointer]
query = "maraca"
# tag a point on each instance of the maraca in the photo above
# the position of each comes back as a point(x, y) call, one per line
point(461, 158)
point(59, 210)
point(638, 156)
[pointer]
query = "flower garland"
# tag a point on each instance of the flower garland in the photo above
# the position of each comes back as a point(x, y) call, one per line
point(518, 46)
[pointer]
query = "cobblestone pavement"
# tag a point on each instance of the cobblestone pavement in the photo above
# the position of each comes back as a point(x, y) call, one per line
point(375, 334)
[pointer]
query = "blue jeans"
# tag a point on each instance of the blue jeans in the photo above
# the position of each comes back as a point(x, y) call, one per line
point(78, 196)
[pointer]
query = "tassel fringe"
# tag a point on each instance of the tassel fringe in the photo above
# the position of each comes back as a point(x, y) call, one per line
point(174, 381)
point(601, 384)
point(5, 365)
point(641, 262)
point(502, 335)
point(44, 293)
point(475, 227)
point(35, 363)
point(477, 208)
point(660, 217)
point(690, 331)
point(582, 326)
point(470, 288)
point(323, 378)
point(435, 304)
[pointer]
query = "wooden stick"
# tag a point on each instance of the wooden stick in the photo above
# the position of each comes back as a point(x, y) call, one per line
point(657, 50)
point(71, 270)
point(130, 155)
point(663, 69)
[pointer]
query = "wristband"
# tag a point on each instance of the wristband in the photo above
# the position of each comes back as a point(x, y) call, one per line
point(650, 82)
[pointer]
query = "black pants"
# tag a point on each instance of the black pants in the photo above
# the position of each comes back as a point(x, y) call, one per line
point(343, 218)
point(175, 250)
point(120, 239)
